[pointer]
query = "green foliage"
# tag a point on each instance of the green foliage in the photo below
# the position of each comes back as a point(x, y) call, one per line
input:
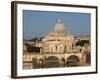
point(82, 42)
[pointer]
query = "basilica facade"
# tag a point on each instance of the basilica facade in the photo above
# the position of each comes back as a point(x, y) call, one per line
point(59, 40)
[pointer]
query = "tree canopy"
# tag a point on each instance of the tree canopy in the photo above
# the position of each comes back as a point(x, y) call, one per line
point(81, 43)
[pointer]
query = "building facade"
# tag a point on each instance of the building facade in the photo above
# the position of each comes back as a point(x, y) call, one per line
point(59, 40)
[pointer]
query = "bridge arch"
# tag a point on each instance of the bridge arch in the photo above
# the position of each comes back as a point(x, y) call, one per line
point(51, 61)
point(72, 60)
point(40, 63)
point(34, 63)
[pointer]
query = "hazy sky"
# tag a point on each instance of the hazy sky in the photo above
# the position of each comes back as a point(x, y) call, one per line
point(39, 23)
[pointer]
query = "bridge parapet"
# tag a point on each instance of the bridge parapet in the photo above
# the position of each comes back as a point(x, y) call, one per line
point(30, 56)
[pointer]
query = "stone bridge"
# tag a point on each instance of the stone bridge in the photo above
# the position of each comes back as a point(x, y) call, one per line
point(55, 58)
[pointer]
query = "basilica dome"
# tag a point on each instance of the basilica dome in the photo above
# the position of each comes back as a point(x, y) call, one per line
point(59, 26)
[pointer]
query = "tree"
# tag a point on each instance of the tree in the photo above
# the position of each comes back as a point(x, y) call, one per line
point(31, 48)
point(34, 49)
point(34, 39)
point(41, 38)
point(81, 43)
